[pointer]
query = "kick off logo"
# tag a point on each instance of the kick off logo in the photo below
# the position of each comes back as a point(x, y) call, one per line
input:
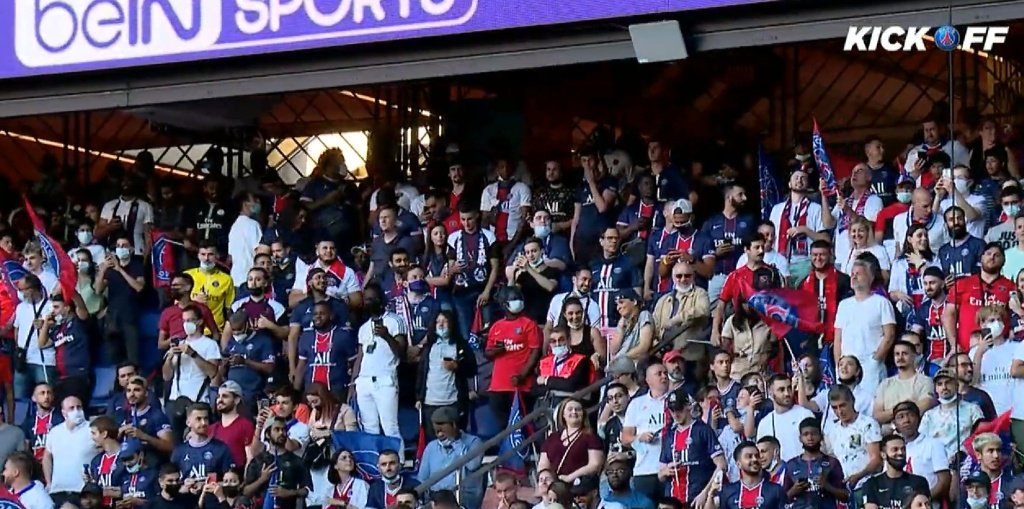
point(945, 38)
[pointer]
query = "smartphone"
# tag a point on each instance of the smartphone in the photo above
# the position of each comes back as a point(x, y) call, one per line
point(85, 470)
point(947, 173)
point(922, 154)
point(262, 404)
point(211, 478)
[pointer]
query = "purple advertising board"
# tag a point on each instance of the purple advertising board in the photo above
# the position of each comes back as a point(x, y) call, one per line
point(60, 36)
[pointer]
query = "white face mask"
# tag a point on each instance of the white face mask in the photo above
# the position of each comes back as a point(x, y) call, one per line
point(977, 503)
point(240, 337)
point(542, 231)
point(190, 328)
point(83, 266)
point(122, 253)
point(961, 184)
point(515, 306)
point(946, 401)
point(996, 327)
point(84, 237)
point(76, 416)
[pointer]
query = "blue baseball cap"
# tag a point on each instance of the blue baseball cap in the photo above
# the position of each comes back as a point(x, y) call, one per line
point(627, 293)
point(131, 447)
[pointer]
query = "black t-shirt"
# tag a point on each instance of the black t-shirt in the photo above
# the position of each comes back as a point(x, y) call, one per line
point(179, 502)
point(292, 474)
point(119, 293)
point(535, 297)
point(560, 202)
point(888, 493)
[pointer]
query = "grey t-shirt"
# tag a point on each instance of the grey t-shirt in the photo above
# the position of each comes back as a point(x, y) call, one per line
point(441, 382)
point(12, 439)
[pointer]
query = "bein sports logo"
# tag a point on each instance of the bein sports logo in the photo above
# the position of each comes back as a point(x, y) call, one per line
point(946, 38)
point(65, 32)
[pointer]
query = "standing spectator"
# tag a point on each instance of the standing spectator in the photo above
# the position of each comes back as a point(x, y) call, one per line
point(685, 244)
point(1010, 198)
point(727, 230)
point(446, 365)
point(752, 486)
point(784, 416)
point(926, 319)
point(277, 472)
point(865, 326)
point(67, 334)
point(993, 358)
point(514, 344)
point(127, 216)
point(505, 204)
point(953, 417)
point(450, 445)
point(191, 363)
point(324, 352)
point(301, 317)
point(888, 488)
point(231, 428)
point(970, 294)
point(538, 281)
point(20, 474)
point(642, 430)
point(798, 222)
point(771, 257)
point(171, 324)
point(211, 285)
point(63, 472)
point(477, 263)
point(390, 240)
point(201, 454)
point(248, 361)
point(969, 391)
point(963, 197)
point(554, 197)
point(39, 421)
point(245, 234)
point(853, 438)
point(32, 364)
point(342, 280)
point(382, 342)
point(814, 479)
point(690, 452)
point(122, 276)
point(961, 256)
point(859, 206)
point(87, 242)
point(926, 456)
point(572, 450)
point(594, 208)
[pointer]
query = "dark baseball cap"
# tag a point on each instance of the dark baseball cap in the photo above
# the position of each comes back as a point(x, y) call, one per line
point(906, 406)
point(979, 477)
point(585, 485)
point(678, 400)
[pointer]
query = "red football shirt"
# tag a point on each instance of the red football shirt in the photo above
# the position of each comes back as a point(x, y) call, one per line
point(971, 294)
point(520, 336)
point(737, 285)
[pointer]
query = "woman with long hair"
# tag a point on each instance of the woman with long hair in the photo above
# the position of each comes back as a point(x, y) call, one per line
point(583, 338)
point(572, 450)
point(326, 415)
point(447, 364)
point(906, 284)
point(749, 339)
point(634, 335)
point(437, 262)
point(346, 489)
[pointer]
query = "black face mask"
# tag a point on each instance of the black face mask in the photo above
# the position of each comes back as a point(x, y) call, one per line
point(231, 491)
point(813, 448)
point(256, 290)
point(897, 463)
point(173, 489)
point(848, 381)
point(177, 294)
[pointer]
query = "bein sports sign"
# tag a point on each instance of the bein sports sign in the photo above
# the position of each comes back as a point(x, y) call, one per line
point(53, 36)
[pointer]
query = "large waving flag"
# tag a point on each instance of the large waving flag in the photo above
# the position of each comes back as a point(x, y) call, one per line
point(10, 272)
point(365, 449)
point(514, 441)
point(785, 309)
point(822, 160)
point(55, 255)
point(769, 189)
point(163, 258)
point(1000, 426)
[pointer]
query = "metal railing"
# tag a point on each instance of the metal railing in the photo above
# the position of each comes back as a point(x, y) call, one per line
point(542, 411)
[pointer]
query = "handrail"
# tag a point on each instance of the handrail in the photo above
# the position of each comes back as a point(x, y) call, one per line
point(482, 449)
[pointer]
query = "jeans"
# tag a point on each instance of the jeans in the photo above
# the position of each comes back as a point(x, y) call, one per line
point(377, 397)
point(25, 382)
point(464, 304)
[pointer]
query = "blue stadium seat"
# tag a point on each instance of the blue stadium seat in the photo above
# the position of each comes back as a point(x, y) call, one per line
point(21, 407)
point(104, 377)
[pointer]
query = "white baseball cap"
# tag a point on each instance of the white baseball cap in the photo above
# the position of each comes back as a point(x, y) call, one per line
point(683, 206)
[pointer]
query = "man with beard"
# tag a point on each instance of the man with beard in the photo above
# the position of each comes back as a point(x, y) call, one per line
point(135, 481)
point(959, 191)
point(906, 385)
point(970, 294)
point(785, 416)
point(302, 314)
point(19, 474)
point(887, 490)
point(926, 319)
point(865, 326)
point(235, 430)
point(962, 255)
point(883, 176)
point(859, 204)
point(753, 490)
point(201, 454)
point(814, 480)
point(263, 313)
point(926, 456)
point(40, 420)
point(394, 278)
point(638, 219)
point(143, 421)
point(620, 472)
point(342, 281)
point(827, 283)
point(555, 197)
point(555, 246)
point(382, 343)
point(277, 472)
point(384, 492)
point(727, 231)
point(324, 351)
point(953, 417)
point(798, 222)
point(613, 273)
point(964, 367)
point(250, 359)
point(477, 264)
point(739, 285)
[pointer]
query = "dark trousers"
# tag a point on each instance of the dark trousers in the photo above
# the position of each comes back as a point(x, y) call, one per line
point(501, 405)
point(79, 386)
point(649, 486)
point(122, 334)
point(464, 304)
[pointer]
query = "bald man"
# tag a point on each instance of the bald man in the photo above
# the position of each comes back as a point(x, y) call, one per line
point(920, 212)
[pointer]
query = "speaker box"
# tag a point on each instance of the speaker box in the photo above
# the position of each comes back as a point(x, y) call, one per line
point(661, 41)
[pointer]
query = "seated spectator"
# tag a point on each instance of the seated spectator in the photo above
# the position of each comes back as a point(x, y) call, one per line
point(563, 372)
point(344, 487)
point(450, 445)
point(906, 385)
point(383, 492)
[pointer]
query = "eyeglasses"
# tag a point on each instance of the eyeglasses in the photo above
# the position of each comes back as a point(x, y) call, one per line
point(682, 276)
point(616, 471)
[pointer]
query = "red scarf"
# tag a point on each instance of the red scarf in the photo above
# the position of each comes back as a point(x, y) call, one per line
point(858, 208)
point(828, 300)
point(786, 222)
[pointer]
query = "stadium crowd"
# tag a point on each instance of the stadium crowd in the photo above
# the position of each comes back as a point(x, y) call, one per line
point(290, 316)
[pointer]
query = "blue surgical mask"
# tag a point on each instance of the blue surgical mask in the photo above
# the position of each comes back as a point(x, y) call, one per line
point(84, 237)
point(542, 231)
point(560, 351)
point(255, 208)
point(122, 252)
point(1012, 209)
point(903, 196)
point(441, 332)
point(134, 469)
point(515, 306)
point(419, 286)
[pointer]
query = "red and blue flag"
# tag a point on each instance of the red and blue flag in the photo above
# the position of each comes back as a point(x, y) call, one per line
point(56, 257)
point(163, 258)
point(822, 160)
point(785, 309)
point(516, 463)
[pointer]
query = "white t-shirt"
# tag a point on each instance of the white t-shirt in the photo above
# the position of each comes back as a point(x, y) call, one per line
point(518, 197)
point(301, 273)
point(861, 323)
point(646, 414)
point(97, 251)
point(995, 374)
point(845, 263)
point(47, 278)
point(1018, 393)
point(771, 259)
point(1003, 233)
point(848, 443)
point(938, 236)
point(813, 222)
point(24, 314)
point(190, 379)
point(403, 192)
point(926, 457)
point(378, 359)
point(841, 238)
point(76, 449)
point(781, 426)
point(1013, 264)
point(36, 497)
point(957, 152)
point(863, 400)
point(590, 305)
point(976, 226)
point(349, 282)
point(143, 216)
point(246, 233)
